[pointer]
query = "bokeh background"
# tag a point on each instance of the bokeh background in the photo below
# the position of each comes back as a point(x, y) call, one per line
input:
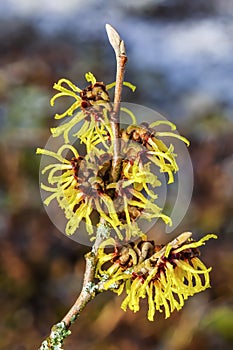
point(181, 59)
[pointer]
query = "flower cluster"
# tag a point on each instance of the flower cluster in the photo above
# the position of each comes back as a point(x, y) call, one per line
point(83, 186)
point(164, 274)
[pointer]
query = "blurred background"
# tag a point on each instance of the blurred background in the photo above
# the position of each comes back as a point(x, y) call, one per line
point(181, 59)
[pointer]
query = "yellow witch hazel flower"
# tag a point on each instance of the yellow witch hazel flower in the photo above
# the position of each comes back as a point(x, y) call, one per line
point(155, 149)
point(76, 186)
point(164, 274)
point(91, 106)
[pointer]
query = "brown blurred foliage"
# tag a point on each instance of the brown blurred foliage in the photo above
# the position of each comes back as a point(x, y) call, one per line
point(41, 270)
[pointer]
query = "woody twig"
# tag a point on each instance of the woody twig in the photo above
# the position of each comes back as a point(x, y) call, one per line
point(121, 59)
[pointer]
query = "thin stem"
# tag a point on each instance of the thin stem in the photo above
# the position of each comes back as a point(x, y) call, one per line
point(89, 290)
point(121, 59)
point(60, 331)
point(87, 293)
